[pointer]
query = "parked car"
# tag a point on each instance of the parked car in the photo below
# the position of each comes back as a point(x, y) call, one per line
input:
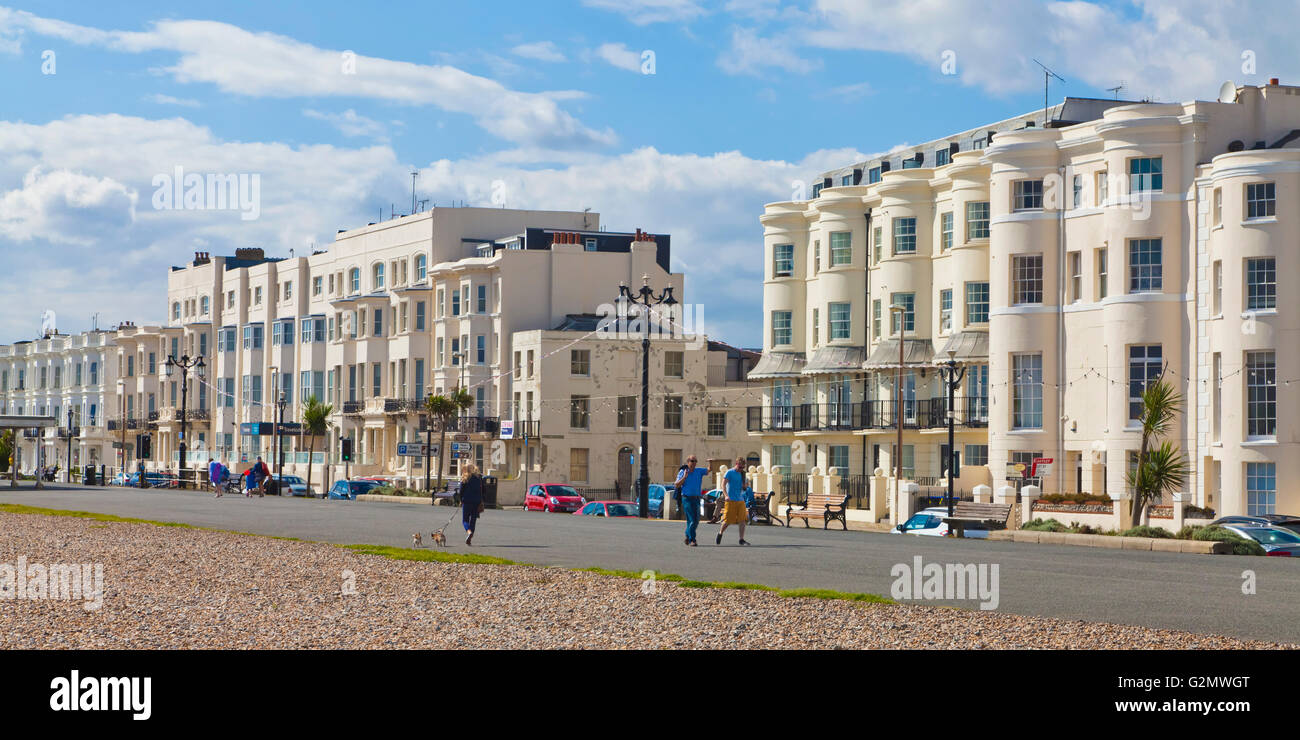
point(1276, 541)
point(611, 509)
point(929, 522)
point(553, 497)
point(1286, 521)
point(348, 490)
point(153, 479)
point(297, 486)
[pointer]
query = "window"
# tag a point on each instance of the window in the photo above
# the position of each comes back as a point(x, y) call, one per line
point(672, 461)
point(253, 336)
point(419, 315)
point(1261, 283)
point(377, 276)
point(626, 412)
point(1218, 207)
point(781, 456)
point(1144, 175)
point(1260, 201)
point(904, 236)
point(782, 332)
point(846, 180)
point(942, 157)
point(579, 412)
point(577, 465)
point(176, 311)
point(1144, 266)
point(816, 331)
point(288, 290)
point(907, 301)
point(1077, 187)
point(839, 457)
point(1103, 278)
point(421, 267)
point(817, 256)
point(580, 362)
point(673, 412)
point(1144, 365)
point(1261, 394)
point(1103, 188)
point(480, 303)
point(977, 220)
point(1027, 391)
point(354, 281)
point(976, 455)
point(945, 310)
point(203, 303)
point(257, 296)
point(1026, 459)
point(977, 303)
point(674, 364)
point(1028, 195)
point(1076, 276)
point(317, 286)
point(1261, 488)
point(873, 175)
point(875, 318)
point(877, 244)
point(783, 260)
point(717, 423)
point(1026, 279)
point(455, 302)
point(841, 325)
point(945, 231)
point(841, 248)
point(480, 349)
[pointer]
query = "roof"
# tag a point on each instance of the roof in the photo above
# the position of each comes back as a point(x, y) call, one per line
point(833, 359)
point(733, 352)
point(915, 352)
point(584, 322)
point(967, 345)
point(778, 365)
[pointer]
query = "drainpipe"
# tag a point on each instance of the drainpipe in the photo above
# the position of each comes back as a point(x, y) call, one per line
point(866, 327)
point(1060, 338)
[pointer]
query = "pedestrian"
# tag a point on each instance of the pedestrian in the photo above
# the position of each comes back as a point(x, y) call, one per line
point(735, 512)
point(139, 471)
point(690, 480)
point(214, 476)
point(471, 500)
point(250, 483)
point(263, 473)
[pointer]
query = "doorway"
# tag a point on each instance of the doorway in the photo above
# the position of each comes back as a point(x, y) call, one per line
point(625, 476)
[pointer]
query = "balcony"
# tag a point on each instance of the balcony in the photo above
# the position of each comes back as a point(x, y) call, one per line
point(115, 425)
point(64, 432)
point(475, 425)
point(353, 408)
point(932, 413)
point(403, 405)
point(793, 418)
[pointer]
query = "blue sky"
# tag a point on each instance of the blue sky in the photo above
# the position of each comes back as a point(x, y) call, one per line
point(548, 98)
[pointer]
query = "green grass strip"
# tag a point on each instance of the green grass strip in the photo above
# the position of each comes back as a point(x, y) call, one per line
point(427, 556)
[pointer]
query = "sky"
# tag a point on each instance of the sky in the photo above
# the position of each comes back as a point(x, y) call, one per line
point(675, 116)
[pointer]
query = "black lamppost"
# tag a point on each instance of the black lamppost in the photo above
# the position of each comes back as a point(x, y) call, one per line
point(280, 403)
point(184, 362)
point(69, 446)
point(645, 297)
point(951, 374)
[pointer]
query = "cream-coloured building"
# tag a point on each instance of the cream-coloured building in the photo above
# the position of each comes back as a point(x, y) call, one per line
point(1064, 266)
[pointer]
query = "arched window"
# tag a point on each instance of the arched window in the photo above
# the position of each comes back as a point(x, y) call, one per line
point(354, 280)
point(176, 311)
point(203, 303)
point(421, 267)
point(378, 276)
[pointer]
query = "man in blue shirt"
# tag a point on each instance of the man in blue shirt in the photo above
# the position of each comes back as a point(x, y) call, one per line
point(690, 480)
point(736, 512)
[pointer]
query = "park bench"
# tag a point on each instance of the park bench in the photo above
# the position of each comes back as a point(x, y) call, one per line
point(452, 492)
point(830, 507)
point(970, 514)
point(758, 510)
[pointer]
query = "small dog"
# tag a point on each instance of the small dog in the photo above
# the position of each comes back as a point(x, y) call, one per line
point(417, 540)
point(438, 538)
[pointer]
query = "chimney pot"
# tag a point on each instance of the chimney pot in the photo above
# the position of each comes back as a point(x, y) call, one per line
point(1273, 81)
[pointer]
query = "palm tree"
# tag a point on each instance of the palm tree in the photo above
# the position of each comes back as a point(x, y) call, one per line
point(315, 422)
point(1161, 469)
point(442, 411)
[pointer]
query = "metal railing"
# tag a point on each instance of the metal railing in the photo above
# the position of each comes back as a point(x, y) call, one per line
point(792, 418)
point(353, 407)
point(794, 488)
point(929, 413)
point(117, 424)
point(857, 488)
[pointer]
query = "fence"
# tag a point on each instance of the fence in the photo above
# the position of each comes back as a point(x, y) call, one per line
point(794, 488)
point(857, 488)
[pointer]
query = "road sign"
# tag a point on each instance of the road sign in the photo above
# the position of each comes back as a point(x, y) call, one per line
point(507, 429)
point(461, 446)
point(411, 449)
point(461, 455)
point(461, 438)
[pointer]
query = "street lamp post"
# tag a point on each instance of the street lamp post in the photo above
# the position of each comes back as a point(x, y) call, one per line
point(280, 403)
point(184, 363)
point(121, 405)
point(646, 298)
point(952, 375)
point(69, 446)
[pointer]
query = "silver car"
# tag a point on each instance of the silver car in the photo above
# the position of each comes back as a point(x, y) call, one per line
point(1276, 541)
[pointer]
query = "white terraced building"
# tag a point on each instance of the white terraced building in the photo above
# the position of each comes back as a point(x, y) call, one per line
point(1064, 266)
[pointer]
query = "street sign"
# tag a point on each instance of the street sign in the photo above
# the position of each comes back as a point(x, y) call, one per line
point(291, 428)
point(461, 446)
point(257, 429)
point(461, 438)
point(507, 429)
point(461, 455)
point(1016, 471)
point(411, 449)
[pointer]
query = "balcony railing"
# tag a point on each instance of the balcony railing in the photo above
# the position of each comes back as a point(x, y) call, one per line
point(353, 407)
point(403, 405)
point(929, 413)
point(475, 425)
point(118, 424)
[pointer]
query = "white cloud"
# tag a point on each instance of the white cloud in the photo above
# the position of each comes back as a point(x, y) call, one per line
point(848, 93)
point(644, 12)
point(350, 123)
point(65, 207)
point(243, 62)
point(751, 54)
point(161, 99)
point(542, 51)
point(620, 56)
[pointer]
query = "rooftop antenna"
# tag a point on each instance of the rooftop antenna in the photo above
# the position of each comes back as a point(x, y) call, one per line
point(94, 321)
point(1047, 78)
point(414, 175)
point(422, 202)
point(1116, 89)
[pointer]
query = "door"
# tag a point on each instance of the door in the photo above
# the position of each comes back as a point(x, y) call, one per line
point(625, 476)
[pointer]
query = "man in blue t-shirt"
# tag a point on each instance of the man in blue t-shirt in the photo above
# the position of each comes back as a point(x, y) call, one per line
point(690, 480)
point(736, 511)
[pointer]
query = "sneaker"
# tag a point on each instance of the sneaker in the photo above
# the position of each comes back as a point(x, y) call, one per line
point(694, 543)
point(686, 541)
point(718, 540)
point(743, 542)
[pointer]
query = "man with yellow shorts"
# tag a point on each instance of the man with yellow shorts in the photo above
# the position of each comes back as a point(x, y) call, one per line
point(735, 512)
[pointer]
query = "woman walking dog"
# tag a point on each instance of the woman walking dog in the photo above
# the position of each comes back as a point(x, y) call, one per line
point(471, 500)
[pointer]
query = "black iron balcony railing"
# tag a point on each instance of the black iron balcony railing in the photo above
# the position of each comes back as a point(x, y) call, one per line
point(32, 433)
point(531, 428)
point(118, 424)
point(403, 405)
point(153, 416)
point(929, 413)
point(353, 407)
point(793, 418)
point(64, 432)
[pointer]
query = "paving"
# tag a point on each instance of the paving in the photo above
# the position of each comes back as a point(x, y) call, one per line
point(1197, 593)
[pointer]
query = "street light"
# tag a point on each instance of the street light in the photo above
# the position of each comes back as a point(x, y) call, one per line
point(184, 363)
point(951, 375)
point(69, 445)
point(121, 405)
point(280, 402)
point(645, 297)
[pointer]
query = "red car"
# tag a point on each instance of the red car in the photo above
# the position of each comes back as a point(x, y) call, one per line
point(553, 497)
point(610, 509)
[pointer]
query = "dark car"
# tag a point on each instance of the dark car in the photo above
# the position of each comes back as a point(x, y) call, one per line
point(1285, 521)
point(348, 490)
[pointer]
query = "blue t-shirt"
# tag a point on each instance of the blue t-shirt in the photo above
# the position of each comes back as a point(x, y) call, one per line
point(735, 485)
point(691, 480)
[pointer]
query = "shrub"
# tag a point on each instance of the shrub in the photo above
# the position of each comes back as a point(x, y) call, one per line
point(1084, 528)
point(385, 491)
point(1188, 532)
point(1044, 525)
point(1240, 545)
point(1146, 531)
point(1197, 512)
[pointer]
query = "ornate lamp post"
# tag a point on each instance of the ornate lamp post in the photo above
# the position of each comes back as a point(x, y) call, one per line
point(121, 401)
point(184, 363)
point(646, 298)
point(280, 402)
point(951, 374)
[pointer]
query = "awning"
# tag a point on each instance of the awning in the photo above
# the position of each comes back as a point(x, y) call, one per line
point(969, 346)
point(777, 365)
point(915, 352)
point(835, 360)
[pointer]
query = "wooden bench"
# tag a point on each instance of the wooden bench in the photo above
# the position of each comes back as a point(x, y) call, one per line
point(967, 513)
point(452, 492)
point(830, 508)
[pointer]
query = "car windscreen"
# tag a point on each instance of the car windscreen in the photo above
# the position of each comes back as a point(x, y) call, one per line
point(621, 510)
point(561, 491)
point(1275, 536)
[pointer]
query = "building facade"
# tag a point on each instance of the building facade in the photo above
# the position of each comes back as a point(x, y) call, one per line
point(1064, 266)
